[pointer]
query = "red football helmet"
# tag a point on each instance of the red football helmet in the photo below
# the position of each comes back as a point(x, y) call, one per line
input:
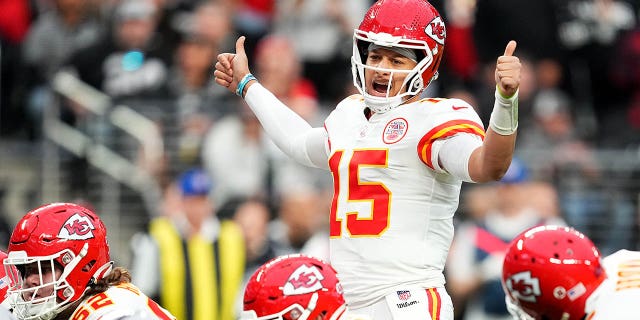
point(70, 240)
point(550, 271)
point(6, 274)
point(407, 24)
point(293, 287)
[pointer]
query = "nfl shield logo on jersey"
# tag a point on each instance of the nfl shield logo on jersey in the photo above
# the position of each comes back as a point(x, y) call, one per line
point(395, 130)
point(404, 295)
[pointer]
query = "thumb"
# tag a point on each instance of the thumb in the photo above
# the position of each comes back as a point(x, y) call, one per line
point(240, 46)
point(510, 49)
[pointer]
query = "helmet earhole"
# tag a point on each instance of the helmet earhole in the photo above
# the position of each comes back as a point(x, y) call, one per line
point(295, 314)
point(66, 258)
point(67, 293)
point(418, 83)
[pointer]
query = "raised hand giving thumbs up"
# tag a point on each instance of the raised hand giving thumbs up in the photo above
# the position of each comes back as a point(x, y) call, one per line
point(507, 73)
point(232, 70)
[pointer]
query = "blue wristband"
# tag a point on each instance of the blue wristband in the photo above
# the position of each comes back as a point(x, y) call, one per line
point(248, 77)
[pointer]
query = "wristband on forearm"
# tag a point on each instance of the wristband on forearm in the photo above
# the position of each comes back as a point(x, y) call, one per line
point(240, 89)
point(504, 118)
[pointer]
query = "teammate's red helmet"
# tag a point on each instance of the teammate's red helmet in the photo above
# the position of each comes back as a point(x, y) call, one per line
point(550, 271)
point(293, 287)
point(6, 274)
point(61, 236)
point(407, 24)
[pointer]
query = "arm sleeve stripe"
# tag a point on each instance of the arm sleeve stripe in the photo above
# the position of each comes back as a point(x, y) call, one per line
point(444, 130)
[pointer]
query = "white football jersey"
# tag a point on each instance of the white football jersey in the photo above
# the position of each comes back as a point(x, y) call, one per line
point(391, 217)
point(618, 296)
point(121, 302)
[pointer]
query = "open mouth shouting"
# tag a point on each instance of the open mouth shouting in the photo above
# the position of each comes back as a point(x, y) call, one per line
point(380, 88)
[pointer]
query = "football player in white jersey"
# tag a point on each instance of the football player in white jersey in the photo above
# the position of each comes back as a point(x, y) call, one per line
point(64, 270)
point(398, 161)
point(556, 272)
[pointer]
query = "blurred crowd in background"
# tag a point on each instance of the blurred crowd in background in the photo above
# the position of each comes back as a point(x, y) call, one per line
point(108, 102)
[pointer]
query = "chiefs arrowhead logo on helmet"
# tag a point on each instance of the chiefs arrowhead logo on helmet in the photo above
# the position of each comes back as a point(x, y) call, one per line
point(304, 280)
point(436, 30)
point(77, 227)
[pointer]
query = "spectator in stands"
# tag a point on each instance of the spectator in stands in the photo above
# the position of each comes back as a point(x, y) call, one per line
point(191, 261)
point(588, 31)
point(496, 22)
point(191, 86)
point(302, 225)
point(279, 65)
point(475, 260)
point(57, 34)
point(253, 216)
point(69, 26)
point(236, 151)
point(462, 57)
point(553, 127)
point(129, 62)
point(214, 21)
point(321, 31)
point(625, 75)
point(254, 18)
point(15, 20)
point(238, 156)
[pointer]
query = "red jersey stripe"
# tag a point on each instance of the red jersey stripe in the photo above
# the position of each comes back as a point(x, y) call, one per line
point(444, 130)
point(434, 303)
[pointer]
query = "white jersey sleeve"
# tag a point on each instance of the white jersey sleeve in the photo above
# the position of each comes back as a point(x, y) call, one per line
point(124, 301)
point(290, 132)
point(618, 296)
point(5, 314)
point(457, 132)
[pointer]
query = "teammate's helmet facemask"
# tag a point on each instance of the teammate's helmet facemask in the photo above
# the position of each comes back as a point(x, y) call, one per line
point(62, 236)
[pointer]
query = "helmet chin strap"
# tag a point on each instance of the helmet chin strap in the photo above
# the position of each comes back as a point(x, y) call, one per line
point(381, 104)
point(103, 271)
